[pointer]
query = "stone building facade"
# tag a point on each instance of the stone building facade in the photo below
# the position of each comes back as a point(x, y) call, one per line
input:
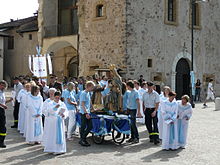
point(161, 49)
point(58, 35)
point(2, 37)
point(18, 45)
point(152, 38)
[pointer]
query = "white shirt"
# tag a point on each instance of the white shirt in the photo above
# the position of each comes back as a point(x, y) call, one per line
point(2, 98)
point(17, 89)
point(210, 88)
point(150, 99)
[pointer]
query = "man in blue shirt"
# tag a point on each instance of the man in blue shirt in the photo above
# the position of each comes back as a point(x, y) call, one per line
point(133, 107)
point(84, 107)
point(71, 103)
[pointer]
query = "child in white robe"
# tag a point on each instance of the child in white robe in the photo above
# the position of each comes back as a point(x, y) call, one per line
point(163, 97)
point(46, 107)
point(169, 110)
point(56, 142)
point(34, 127)
point(184, 114)
point(22, 99)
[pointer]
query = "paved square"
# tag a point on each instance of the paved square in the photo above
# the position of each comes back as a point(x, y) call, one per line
point(203, 147)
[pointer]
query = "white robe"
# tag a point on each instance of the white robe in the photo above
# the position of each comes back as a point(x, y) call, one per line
point(26, 113)
point(169, 112)
point(22, 99)
point(159, 116)
point(56, 142)
point(46, 107)
point(34, 127)
point(184, 113)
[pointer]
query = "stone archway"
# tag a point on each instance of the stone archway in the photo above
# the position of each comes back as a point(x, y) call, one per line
point(72, 67)
point(182, 78)
point(62, 52)
point(187, 57)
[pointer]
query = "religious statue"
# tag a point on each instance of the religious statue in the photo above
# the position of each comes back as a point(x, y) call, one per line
point(113, 100)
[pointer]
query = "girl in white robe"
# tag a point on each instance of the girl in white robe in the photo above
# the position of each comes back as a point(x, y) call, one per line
point(56, 142)
point(22, 99)
point(169, 110)
point(163, 97)
point(184, 114)
point(46, 107)
point(34, 127)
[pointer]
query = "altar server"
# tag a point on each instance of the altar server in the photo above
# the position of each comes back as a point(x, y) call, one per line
point(34, 126)
point(46, 106)
point(56, 142)
point(22, 99)
point(163, 97)
point(184, 114)
point(169, 110)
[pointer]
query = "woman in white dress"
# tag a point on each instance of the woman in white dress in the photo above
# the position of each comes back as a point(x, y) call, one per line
point(34, 125)
point(56, 142)
point(163, 97)
point(22, 99)
point(46, 106)
point(169, 110)
point(184, 114)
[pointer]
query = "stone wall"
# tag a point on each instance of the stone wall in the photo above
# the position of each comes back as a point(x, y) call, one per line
point(148, 37)
point(102, 40)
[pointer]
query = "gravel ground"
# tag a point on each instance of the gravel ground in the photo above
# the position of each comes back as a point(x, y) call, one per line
point(203, 147)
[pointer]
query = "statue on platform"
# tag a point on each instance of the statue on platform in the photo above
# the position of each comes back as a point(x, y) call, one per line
point(113, 100)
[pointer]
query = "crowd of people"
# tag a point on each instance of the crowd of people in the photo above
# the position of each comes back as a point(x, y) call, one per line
point(46, 114)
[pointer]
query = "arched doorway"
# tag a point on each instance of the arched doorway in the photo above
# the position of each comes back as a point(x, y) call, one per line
point(64, 59)
point(73, 67)
point(182, 78)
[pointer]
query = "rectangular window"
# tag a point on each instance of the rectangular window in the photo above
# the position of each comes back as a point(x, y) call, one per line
point(11, 42)
point(149, 63)
point(30, 36)
point(197, 16)
point(99, 11)
point(170, 16)
point(170, 10)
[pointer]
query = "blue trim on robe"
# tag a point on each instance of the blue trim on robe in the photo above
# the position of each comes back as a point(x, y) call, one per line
point(59, 130)
point(172, 135)
point(180, 132)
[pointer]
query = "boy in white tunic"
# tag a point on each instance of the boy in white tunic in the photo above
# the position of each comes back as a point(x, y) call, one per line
point(34, 126)
point(56, 142)
point(169, 110)
point(184, 114)
point(22, 99)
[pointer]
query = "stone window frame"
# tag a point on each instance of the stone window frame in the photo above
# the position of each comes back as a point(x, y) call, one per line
point(198, 18)
point(99, 3)
point(176, 13)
